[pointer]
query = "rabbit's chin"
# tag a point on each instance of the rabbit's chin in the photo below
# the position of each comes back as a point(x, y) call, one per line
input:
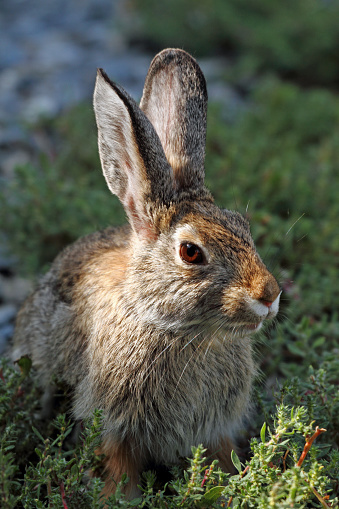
point(242, 330)
point(223, 332)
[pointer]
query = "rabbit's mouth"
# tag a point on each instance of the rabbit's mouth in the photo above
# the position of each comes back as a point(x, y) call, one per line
point(237, 329)
point(244, 329)
point(253, 326)
point(240, 330)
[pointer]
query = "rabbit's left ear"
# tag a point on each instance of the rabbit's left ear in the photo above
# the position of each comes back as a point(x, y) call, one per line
point(175, 101)
point(132, 157)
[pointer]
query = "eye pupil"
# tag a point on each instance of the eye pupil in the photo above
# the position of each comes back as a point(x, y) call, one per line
point(191, 253)
point(191, 250)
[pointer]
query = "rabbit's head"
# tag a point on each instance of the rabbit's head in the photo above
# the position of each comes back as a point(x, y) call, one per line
point(190, 263)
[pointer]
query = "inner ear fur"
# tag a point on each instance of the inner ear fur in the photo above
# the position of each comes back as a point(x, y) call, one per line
point(175, 101)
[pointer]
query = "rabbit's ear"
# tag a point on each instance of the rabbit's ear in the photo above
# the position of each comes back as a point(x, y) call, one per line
point(175, 101)
point(132, 157)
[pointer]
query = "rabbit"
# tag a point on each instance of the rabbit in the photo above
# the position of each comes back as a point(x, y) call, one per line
point(152, 322)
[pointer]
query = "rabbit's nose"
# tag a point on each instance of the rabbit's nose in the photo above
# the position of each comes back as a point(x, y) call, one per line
point(273, 306)
point(267, 303)
point(268, 291)
point(265, 308)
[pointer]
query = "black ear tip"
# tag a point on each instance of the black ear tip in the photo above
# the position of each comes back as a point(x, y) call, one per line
point(175, 55)
point(101, 73)
point(184, 64)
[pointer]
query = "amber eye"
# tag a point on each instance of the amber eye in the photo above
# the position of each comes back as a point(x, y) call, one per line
point(191, 253)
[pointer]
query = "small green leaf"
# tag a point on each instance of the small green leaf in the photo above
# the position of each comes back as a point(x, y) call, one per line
point(74, 470)
point(24, 364)
point(136, 502)
point(263, 432)
point(55, 441)
point(38, 434)
point(68, 431)
point(319, 342)
point(293, 348)
point(212, 495)
point(235, 502)
point(124, 478)
point(9, 448)
point(236, 461)
point(38, 452)
point(284, 442)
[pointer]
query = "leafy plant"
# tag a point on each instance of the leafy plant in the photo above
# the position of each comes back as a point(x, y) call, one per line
point(277, 475)
point(51, 203)
point(59, 473)
point(19, 399)
point(286, 468)
point(299, 40)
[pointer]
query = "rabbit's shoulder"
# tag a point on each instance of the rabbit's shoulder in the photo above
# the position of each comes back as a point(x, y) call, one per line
point(54, 302)
point(73, 262)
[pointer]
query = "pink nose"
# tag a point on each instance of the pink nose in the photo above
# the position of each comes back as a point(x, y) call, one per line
point(266, 303)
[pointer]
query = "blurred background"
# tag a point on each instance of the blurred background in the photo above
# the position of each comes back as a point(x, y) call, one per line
point(272, 72)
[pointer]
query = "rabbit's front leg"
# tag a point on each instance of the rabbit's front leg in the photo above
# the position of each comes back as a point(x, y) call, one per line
point(222, 453)
point(121, 458)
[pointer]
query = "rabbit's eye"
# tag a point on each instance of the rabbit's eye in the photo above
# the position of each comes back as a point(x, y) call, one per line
point(191, 253)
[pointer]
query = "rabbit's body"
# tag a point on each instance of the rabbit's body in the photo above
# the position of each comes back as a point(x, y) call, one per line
point(151, 322)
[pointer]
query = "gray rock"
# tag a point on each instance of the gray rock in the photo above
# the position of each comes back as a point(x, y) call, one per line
point(6, 261)
point(6, 333)
point(13, 290)
point(11, 161)
point(7, 314)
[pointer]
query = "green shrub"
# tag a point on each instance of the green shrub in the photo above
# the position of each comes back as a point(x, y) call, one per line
point(296, 39)
point(49, 204)
point(287, 468)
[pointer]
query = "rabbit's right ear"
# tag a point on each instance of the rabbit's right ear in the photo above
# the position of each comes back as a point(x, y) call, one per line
point(175, 101)
point(132, 158)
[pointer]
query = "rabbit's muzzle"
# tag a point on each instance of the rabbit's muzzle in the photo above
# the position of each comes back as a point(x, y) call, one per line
point(248, 306)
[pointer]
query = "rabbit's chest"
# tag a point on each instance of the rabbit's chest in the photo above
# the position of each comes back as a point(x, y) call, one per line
point(173, 399)
point(199, 403)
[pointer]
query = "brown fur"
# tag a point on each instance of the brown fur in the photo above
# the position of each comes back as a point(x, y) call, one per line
point(161, 345)
point(119, 459)
point(222, 453)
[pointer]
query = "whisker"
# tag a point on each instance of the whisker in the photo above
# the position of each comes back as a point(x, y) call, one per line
point(274, 261)
point(295, 222)
point(150, 367)
point(185, 367)
point(178, 338)
point(208, 331)
point(195, 353)
point(190, 341)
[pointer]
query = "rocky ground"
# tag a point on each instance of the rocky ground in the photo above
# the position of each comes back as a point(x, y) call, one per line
point(49, 52)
